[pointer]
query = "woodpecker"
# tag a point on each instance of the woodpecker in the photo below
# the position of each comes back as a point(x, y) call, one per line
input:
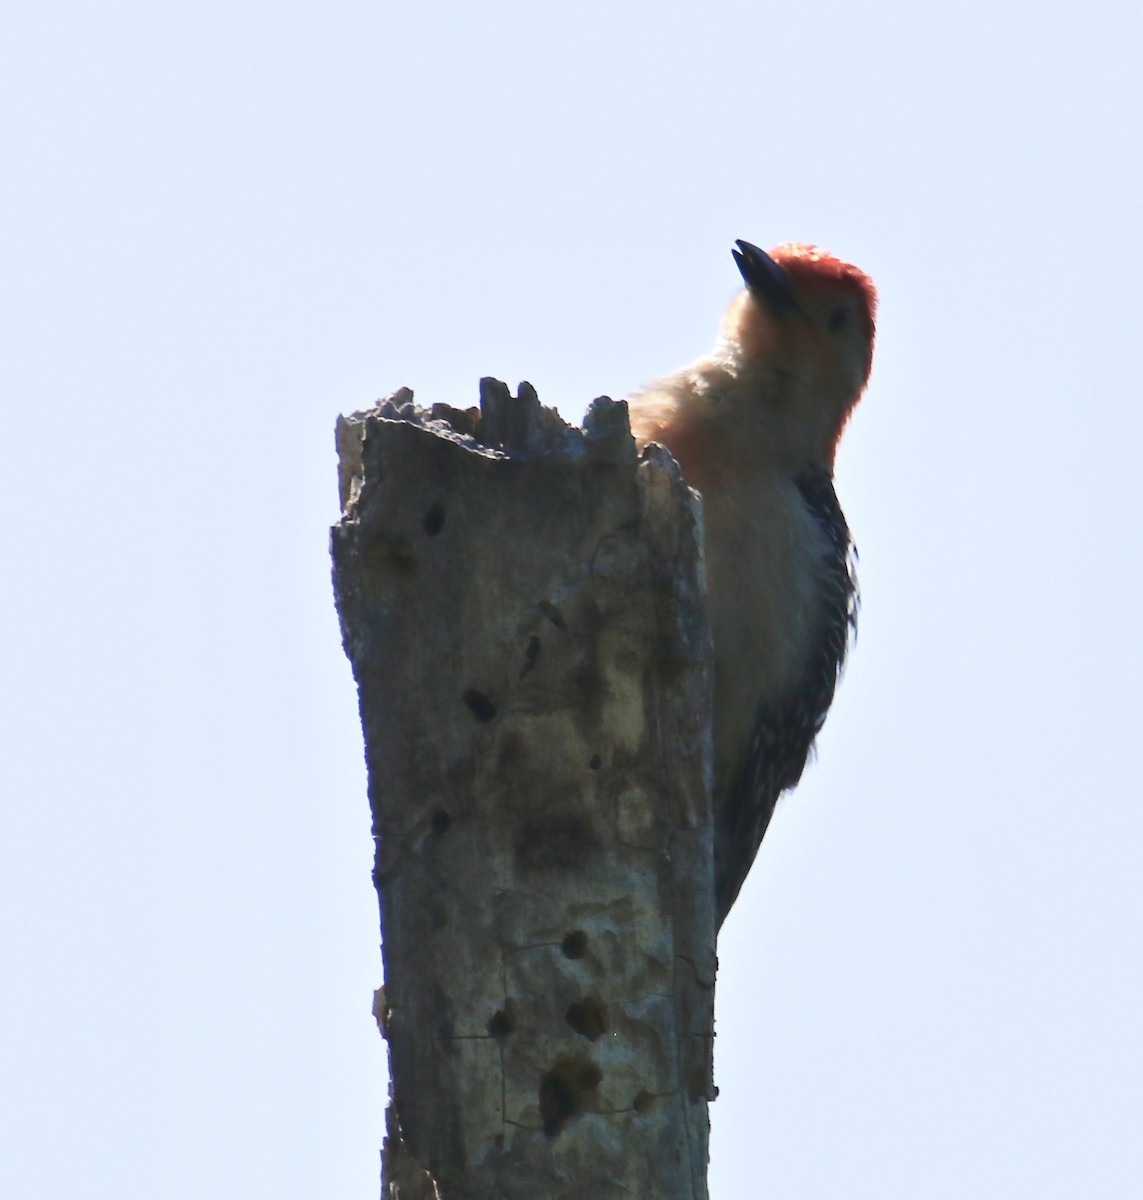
point(754, 427)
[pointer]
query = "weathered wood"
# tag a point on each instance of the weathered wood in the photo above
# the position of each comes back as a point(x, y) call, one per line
point(522, 605)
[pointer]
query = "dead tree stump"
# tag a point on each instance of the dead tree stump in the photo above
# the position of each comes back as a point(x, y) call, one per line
point(522, 604)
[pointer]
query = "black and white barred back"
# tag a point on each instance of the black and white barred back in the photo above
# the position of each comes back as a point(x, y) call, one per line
point(784, 733)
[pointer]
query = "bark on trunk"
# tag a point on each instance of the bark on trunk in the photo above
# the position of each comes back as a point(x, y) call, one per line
point(522, 605)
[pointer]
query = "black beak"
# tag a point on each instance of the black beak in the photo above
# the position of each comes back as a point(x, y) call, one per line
point(765, 279)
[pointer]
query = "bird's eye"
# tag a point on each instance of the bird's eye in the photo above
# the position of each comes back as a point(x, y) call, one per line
point(838, 318)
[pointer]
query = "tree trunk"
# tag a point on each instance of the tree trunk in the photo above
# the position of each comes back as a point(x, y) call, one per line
point(522, 603)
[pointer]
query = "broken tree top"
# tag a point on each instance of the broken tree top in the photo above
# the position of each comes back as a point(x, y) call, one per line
point(522, 605)
point(517, 427)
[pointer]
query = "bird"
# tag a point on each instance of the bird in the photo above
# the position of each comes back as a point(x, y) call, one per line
point(754, 426)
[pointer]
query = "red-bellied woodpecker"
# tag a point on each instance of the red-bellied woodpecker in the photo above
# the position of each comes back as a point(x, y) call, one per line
point(754, 427)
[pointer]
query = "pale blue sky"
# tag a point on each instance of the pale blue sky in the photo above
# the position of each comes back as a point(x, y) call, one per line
point(223, 224)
